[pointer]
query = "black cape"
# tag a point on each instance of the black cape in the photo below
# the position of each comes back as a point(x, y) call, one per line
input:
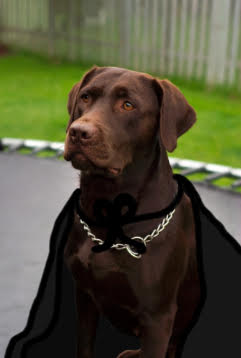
point(216, 329)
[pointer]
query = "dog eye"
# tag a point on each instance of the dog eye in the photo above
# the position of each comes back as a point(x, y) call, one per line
point(128, 106)
point(85, 97)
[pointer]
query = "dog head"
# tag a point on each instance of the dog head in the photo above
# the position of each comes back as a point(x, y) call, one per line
point(116, 115)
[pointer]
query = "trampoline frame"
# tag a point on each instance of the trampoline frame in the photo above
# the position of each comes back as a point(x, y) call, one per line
point(185, 166)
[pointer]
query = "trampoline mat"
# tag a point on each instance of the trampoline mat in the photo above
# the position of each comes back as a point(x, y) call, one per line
point(33, 191)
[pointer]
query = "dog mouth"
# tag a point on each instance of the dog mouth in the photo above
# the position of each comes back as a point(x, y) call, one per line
point(107, 172)
point(114, 171)
point(83, 162)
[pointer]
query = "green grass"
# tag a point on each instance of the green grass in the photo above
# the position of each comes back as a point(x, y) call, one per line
point(216, 135)
point(33, 97)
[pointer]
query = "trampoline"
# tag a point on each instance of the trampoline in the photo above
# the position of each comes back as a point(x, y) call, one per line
point(33, 191)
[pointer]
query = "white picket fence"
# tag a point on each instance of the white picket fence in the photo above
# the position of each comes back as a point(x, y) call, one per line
point(194, 39)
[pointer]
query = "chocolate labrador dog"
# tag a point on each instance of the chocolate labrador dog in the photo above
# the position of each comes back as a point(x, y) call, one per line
point(121, 124)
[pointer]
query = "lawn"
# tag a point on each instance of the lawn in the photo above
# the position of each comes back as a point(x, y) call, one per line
point(33, 97)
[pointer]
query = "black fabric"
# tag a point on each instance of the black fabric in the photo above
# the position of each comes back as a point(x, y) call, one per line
point(109, 214)
point(113, 218)
point(215, 332)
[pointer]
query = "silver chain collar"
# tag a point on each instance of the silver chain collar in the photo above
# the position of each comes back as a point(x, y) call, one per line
point(127, 247)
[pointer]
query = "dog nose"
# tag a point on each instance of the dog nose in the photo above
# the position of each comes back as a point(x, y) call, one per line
point(82, 132)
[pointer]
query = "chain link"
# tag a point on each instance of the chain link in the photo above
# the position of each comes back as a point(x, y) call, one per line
point(127, 247)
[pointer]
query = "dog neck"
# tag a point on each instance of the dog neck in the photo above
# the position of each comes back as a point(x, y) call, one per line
point(150, 182)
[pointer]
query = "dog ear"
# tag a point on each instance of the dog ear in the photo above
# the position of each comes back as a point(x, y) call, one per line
point(176, 115)
point(73, 94)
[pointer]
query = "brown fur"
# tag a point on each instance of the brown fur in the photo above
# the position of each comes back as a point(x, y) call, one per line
point(119, 151)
